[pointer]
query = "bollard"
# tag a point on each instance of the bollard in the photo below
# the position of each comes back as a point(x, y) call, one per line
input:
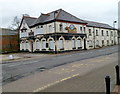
point(107, 80)
point(117, 75)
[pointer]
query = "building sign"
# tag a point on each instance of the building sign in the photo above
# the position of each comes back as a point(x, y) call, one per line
point(71, 29)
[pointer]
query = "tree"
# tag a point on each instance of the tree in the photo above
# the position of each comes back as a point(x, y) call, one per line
point(16, 22)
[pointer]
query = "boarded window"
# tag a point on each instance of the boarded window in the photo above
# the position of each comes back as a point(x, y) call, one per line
point(43, 44)
point(61, 43)
point(51, 44)
point(37, 44)
point(73, 43)
point(50, 28)
point(79, 43)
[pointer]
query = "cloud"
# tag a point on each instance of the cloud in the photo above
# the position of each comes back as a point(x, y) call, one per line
point(97, 10)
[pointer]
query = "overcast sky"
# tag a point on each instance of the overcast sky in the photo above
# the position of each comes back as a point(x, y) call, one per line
point(105, 11)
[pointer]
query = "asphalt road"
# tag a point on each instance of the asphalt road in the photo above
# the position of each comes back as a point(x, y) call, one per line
point(16, 70)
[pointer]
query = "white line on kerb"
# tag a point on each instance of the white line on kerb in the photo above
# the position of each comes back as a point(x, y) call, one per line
point(51, 84)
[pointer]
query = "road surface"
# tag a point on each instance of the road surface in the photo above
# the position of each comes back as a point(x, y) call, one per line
point(18, 69)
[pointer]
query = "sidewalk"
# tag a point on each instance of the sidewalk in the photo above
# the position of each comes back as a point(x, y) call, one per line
point(21, 56)
point(62, 77)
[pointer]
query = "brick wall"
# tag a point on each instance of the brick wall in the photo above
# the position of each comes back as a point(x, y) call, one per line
point(9, 43)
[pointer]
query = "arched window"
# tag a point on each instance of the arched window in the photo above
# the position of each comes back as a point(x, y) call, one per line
point(73, 43)
point(79, 44)
point(61, 44)
point(51, 44)
point(37, 44)
point(43, 44)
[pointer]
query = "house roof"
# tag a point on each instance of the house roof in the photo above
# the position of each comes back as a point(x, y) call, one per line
point(57, 15)
point(29, 20)
point(63, 16)
point(100, 25)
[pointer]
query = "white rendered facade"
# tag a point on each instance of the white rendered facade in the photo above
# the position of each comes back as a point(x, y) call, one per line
point(65, 36)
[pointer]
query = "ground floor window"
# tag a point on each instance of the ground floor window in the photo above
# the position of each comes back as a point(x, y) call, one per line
point(79, 44)
point(107, 42)
point(102, 42)
point(90, 43)
point(61, 44)
point(43, 44)
point(73, 43)
point(51, 44)
point(97, 42)
point(22, 45)
point(37, 44)
point(112, 41)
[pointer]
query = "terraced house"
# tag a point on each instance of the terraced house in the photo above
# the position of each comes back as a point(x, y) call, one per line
point(60, 31)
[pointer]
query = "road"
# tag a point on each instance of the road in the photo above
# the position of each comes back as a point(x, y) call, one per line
point(82, 76)
point(16, 70)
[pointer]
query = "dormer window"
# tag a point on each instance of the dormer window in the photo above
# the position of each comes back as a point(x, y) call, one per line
point(23, 29)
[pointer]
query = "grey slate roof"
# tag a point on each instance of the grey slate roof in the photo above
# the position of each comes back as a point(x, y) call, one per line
point(29, 20)
point(59, 15)
point(100, 25)
point(64, 16)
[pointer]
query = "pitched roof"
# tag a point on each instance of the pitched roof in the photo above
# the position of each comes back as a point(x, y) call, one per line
point(57, 15)
point(100, 25)
point(63, 16)
point(29, 20)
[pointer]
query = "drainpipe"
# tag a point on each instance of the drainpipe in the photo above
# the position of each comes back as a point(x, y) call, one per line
point(94, 36)
point(55, 33)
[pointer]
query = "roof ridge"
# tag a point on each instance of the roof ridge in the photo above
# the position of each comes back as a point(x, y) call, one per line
point(29, 17)
point(72, 15)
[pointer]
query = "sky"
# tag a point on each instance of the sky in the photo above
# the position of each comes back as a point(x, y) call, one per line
point(105, 11)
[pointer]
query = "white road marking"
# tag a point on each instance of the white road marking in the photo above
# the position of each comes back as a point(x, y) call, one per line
point(51, 84)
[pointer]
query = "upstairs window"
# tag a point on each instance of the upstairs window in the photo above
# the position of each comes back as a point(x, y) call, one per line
point(96, 32)
point(107, 33)
point(81, 29)
point(102, 33)
point(84, 29)
point(111, 33)
point(50, 28)
point(90, 33)
point(61, 27)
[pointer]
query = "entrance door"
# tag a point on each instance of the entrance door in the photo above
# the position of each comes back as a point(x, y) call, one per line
point(31, 46)
point(85, 44)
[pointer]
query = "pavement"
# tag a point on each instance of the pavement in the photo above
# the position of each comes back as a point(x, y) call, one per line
point(81, 76)
point(21, 56)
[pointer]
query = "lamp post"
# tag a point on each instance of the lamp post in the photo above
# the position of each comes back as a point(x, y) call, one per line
point(114, 24)
point(55, 32)
point(114, 29)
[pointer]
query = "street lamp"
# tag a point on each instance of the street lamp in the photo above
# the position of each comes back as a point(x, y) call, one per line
point(114, 24)
point(114, 29)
